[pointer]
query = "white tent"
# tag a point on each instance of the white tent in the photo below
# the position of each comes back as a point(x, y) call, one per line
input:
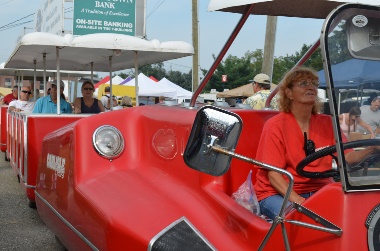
point(116, 80)
point(181, 92)
point(149, 88)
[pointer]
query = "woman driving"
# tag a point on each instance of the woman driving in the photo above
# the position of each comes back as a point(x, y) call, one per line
point(287, 138)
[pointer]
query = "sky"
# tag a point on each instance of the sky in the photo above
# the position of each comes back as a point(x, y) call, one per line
point(170, 20)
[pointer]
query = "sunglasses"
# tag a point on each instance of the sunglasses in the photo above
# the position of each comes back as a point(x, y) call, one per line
point(88, 89)
point(27, 92)
point(309, 145)
point(305, 83)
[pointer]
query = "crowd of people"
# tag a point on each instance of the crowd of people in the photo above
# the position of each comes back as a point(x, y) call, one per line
point(28, 101)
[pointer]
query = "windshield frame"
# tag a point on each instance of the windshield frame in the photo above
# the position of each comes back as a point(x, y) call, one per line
point(329, 25)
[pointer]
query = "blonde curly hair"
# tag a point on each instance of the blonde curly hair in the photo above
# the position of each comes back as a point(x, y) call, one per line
point(289, 79)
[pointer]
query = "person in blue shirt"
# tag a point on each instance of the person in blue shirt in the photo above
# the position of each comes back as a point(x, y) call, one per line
point(48, 104)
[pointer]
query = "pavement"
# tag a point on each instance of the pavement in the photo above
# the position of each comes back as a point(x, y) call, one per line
point(20, 226)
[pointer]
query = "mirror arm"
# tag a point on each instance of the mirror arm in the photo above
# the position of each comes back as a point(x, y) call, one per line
point(280, 218)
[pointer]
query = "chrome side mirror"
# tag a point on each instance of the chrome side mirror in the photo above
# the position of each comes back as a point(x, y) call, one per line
point(213, 127)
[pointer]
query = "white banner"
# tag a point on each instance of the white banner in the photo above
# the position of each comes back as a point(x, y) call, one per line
point(49, 17)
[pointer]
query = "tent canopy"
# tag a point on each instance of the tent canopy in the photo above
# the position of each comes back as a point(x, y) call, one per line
point(117, 80)
point(241, 91)
point(118, 90)
point(352, 73)
point(103, 81)
point(93, 52)
point(5, 91)
point(181, 92)
point(153, 78)
point(126, 80)
point(149, 88)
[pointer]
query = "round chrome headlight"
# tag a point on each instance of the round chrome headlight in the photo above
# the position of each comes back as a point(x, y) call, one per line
point(108, 142)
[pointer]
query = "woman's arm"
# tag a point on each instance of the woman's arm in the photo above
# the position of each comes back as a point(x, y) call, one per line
point(101, 106)
point(281, 185)
point(77, 106)
point(357, 156)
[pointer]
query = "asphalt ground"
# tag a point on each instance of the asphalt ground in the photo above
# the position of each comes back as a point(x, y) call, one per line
point(20, 226)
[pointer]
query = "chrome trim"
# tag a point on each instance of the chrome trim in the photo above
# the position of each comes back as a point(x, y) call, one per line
point(25, 151)
point(183, 218)
point(118, 152)
point(29, 186)
point(92, 246)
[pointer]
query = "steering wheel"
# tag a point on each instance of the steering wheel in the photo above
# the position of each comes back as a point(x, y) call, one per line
point(328, 151)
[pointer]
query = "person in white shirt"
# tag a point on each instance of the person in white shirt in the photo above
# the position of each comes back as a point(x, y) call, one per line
point(105, 99)
point(22, 104)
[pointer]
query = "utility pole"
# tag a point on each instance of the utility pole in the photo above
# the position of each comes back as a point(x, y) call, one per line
point(195, 45)
point(270, 40)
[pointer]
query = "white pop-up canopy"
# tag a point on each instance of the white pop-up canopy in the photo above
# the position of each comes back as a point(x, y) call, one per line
point(150, 88)
point(117, 80)
point(181, 92)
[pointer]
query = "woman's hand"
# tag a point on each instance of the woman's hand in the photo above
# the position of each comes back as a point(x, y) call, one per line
point(300, 200)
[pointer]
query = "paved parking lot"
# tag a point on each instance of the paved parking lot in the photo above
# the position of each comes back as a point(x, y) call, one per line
point(20, 226)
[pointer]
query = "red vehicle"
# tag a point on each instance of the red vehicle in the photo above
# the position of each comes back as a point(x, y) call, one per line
point(160, 177)
point(22, 133)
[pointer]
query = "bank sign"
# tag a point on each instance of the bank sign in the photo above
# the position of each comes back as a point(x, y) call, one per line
point(109, 16)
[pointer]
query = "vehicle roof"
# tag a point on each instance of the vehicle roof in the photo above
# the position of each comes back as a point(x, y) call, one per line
point(288, 8)
point(39, 73)
point(77, 53)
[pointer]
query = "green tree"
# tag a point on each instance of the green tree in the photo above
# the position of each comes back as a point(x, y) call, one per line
point(183, 80)
point(338, 46)
point(284, 64)
point(238, 70)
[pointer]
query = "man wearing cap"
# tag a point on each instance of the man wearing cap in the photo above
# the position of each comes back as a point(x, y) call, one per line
point(48, 104)
point(11, 96)
point(24, 103)
point(261, 89)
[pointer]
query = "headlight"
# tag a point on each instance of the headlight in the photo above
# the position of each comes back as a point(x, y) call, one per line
point(108, 142)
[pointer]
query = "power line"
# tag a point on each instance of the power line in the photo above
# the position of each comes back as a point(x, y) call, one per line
point(4, 26)
point(155, 9)
point(179, 65)
point(15, 25)
point(6, 2)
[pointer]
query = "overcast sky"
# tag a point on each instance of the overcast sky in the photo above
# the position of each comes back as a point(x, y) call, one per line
point(171, 20)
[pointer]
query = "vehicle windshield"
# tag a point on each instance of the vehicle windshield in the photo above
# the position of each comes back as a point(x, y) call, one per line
point(352, 54)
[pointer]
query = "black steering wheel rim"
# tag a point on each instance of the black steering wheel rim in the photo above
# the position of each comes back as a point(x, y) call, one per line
point(327, 151)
